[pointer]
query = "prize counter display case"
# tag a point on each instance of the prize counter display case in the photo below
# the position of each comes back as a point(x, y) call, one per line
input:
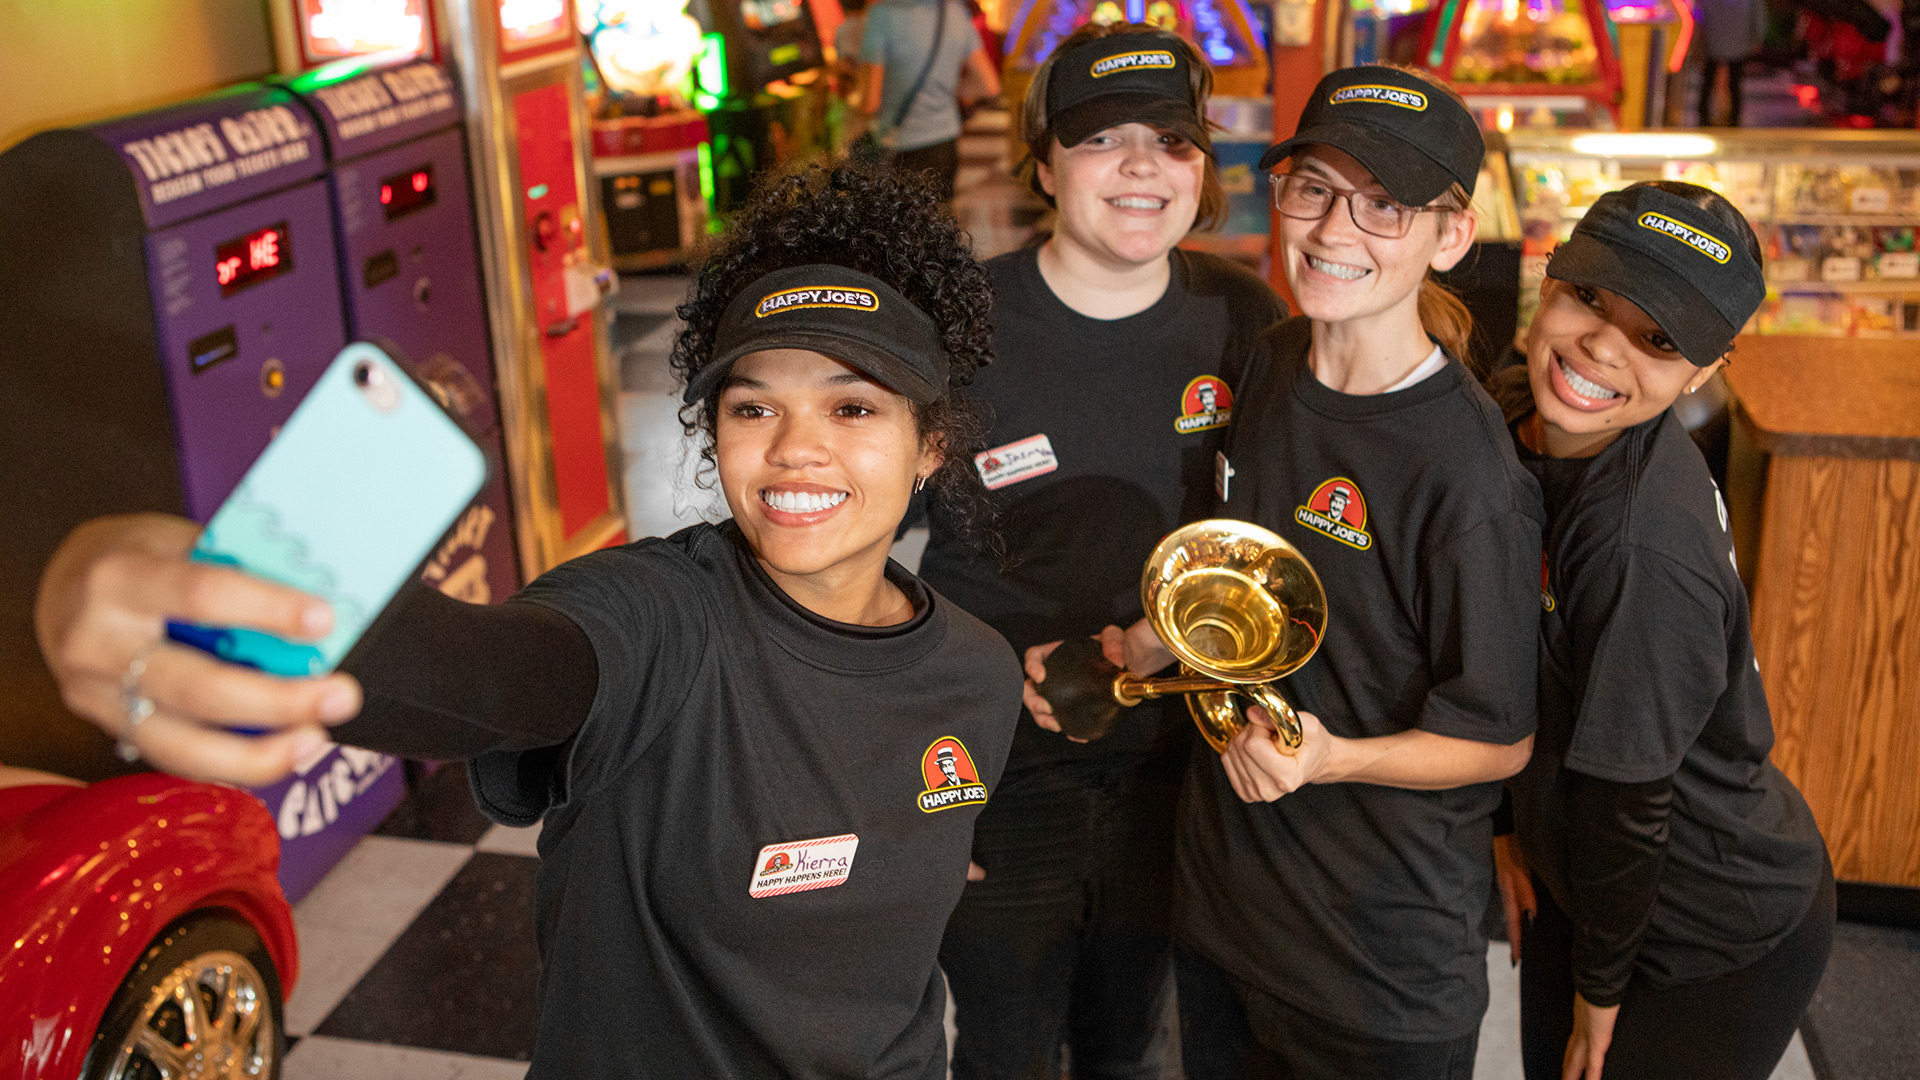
point(1836, 213)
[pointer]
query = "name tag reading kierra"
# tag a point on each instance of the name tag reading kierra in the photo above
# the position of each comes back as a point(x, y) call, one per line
point(800, 865)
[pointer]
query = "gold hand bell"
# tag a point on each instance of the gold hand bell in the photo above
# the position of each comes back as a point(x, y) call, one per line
point(1237, 605)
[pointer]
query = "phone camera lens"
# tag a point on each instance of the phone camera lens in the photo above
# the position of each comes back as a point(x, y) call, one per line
point(363, 374)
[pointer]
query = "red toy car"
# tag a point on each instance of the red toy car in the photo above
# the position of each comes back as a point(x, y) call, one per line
point(142, 931)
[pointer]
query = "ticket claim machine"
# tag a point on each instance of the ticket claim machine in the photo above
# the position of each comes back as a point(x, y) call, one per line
point(543, 251)
point(169, 290)
point(410, 273)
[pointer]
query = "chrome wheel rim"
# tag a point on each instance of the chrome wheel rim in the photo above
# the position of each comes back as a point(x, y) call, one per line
point(208, 1019)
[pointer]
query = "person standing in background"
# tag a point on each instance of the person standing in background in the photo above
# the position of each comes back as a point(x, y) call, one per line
point(848, 76)
point(913, 51)
point(1730, 31)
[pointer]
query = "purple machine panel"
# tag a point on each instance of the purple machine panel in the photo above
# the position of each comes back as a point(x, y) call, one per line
point(411, 275)
point(169, 289)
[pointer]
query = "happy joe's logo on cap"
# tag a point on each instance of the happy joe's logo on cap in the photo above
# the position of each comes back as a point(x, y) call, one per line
point(1386, 95)
point(812, 297)
point(1133, 61)
point(1710, 246)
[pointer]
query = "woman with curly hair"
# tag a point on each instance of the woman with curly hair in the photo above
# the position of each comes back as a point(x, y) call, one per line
point(758, 747)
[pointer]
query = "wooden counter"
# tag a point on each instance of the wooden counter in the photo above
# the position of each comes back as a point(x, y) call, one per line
point(1836, 610)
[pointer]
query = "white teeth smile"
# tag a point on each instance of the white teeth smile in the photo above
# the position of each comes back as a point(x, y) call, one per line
point(1136, 202)
point(1339, 270)
point(802, 502)
point(1586, 388)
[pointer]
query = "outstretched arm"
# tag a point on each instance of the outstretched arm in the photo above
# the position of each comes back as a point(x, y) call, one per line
point(463, 677)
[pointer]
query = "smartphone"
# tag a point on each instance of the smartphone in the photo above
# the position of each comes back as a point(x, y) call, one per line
point(345, 503)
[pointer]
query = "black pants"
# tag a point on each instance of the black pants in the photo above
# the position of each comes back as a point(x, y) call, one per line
point(1735, 69)
point(1065, 942)
point(942, 160)
point(1733, 1027)
point(1229, 1031)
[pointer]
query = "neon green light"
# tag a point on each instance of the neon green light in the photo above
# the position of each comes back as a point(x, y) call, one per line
point(1439, 53)
point(328, 74)
point(712, 65)
point(706, 185)
point(783, 54)
point(537, 191)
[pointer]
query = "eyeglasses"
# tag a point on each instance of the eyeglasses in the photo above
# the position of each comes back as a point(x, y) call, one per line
point(1308, 198)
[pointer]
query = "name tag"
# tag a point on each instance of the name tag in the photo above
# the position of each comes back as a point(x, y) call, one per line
point(1222, 475)
point(1016, 461)
point(801, 865)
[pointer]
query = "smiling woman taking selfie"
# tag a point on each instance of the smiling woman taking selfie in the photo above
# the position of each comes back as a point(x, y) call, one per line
point(699, 719)
point(1682, 903)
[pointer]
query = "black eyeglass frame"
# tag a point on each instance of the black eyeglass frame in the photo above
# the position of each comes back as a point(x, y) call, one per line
point(1276, 181)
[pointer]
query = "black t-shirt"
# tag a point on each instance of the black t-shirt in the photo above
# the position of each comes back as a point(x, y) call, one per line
point(1104, 443)
point(753, 843)
point(1647, 671)
point(1360, 904)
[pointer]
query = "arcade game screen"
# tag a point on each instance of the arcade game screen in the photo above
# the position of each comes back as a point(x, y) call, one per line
point(1526, 41)
point(1204, 22)
point(762, 14)
point(644, 49)
point(339, 28)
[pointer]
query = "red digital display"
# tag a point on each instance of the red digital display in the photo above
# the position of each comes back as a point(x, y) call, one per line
point(403, 193)
point(245, 261)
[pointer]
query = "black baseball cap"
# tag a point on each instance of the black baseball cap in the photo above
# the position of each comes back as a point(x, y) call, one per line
point(1414, 137)
point(1678, 263)
point(1123, 79)
point(836, 311)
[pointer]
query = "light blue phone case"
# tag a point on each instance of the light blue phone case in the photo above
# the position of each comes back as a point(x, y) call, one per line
point(346, 501)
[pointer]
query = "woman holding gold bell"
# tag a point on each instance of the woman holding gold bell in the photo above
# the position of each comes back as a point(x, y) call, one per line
point(1116, 354)
point(1329, 900)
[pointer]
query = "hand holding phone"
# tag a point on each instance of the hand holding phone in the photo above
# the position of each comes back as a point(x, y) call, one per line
point(346, 503)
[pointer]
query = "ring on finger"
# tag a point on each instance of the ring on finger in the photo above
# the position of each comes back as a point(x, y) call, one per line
point(137, 705)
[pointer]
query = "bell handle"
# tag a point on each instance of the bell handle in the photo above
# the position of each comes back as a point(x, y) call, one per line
point(1083, 687)
point(1287, 735)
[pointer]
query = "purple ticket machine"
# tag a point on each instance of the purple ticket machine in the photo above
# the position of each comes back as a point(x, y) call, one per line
point(410, 272)
point(169, 289)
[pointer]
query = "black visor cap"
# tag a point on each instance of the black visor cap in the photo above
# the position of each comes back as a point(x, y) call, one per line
point(1678, 263)
point(1414, 138)
point(853, 317)
point(1123, 79)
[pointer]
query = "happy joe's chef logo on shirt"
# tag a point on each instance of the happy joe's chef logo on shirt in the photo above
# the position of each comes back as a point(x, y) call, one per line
point(950, 776)
point(1337, 509)
point(1205, 404)
point(1133, 61)
point(1710, 246)
point(1385, 95)
point(800, 865)
point(795, 299)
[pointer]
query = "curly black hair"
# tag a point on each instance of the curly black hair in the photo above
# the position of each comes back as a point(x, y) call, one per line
point(887, 224)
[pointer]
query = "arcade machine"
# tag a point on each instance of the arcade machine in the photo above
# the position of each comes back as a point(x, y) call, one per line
point(648, 142)
point(1225, 30)
point(1383, 31)
point(543, 252)
point(764, 86)
point(1654, 36)
point(1531, 63)
point(169, 290)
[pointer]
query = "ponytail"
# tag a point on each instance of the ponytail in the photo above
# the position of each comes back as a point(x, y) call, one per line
point(1445, 318)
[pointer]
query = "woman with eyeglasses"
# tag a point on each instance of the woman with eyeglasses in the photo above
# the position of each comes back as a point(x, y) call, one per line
point(1329, 902)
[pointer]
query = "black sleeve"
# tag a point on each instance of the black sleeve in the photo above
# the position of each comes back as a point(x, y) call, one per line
point(446, 679)
point(1649, 642)
point(1616, 847)
point(1480, 605)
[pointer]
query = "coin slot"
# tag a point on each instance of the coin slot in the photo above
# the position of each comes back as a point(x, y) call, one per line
point(380, 268)
point(210, 350)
